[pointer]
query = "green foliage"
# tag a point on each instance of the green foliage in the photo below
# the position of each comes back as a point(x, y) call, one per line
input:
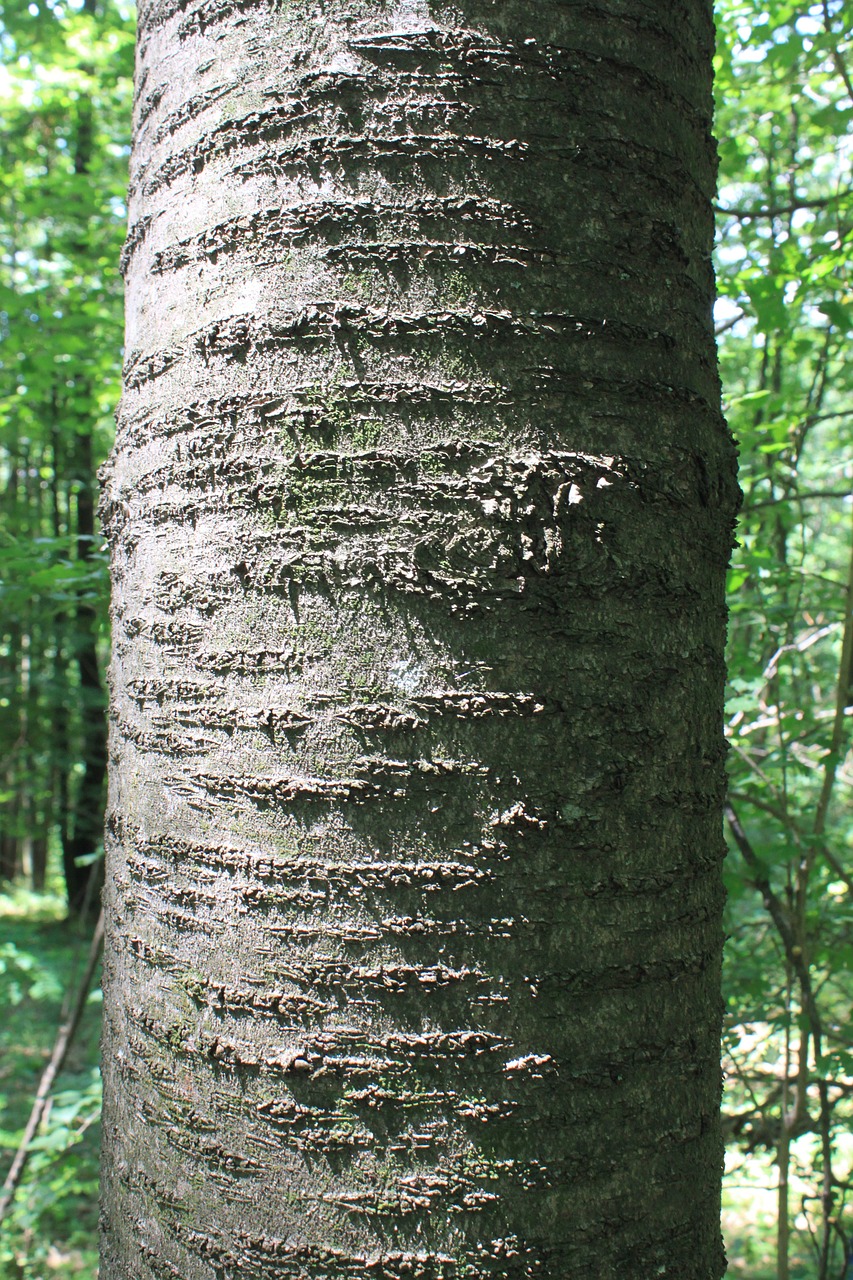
point(65, 94)
point(23, 977)
point(785, 270)
point(51, 1230)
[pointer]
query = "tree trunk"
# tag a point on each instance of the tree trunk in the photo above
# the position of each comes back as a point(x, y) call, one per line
point(82, 828)
point(419, 511)
point(11, 706)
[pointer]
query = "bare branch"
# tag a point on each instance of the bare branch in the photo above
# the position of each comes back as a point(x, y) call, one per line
point(814, 495)
point(780, 210)
point(782, 816)
point(728, 324)
point(786, 925)
point(840, 64)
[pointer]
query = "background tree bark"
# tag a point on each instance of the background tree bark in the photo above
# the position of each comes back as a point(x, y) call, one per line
point(420, 509)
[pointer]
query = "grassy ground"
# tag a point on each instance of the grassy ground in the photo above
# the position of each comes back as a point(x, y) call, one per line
point(51, 1231)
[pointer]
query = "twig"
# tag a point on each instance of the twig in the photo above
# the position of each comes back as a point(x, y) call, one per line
point(798, 646)
point(756, 768)
point(798, 497)
point(728, 324)
point(51, 1071)
point(791, 825)
point(840, 65)
point(786, 925)
point(779, 210)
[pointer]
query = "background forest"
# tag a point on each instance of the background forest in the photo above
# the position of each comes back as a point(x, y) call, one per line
point(784, 318)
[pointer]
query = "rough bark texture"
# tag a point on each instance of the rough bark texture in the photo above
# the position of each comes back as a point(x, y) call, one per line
point(419, 510)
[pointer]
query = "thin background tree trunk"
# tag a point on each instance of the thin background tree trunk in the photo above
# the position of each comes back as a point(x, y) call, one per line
point(419, 510)
point(87, 818)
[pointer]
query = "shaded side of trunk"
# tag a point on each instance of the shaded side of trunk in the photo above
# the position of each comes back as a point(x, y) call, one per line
point(419, 509)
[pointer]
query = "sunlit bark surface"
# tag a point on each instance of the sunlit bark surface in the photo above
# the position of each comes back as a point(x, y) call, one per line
point(419, 513)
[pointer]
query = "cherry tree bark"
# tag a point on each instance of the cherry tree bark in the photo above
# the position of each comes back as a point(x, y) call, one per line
point(419, 509)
